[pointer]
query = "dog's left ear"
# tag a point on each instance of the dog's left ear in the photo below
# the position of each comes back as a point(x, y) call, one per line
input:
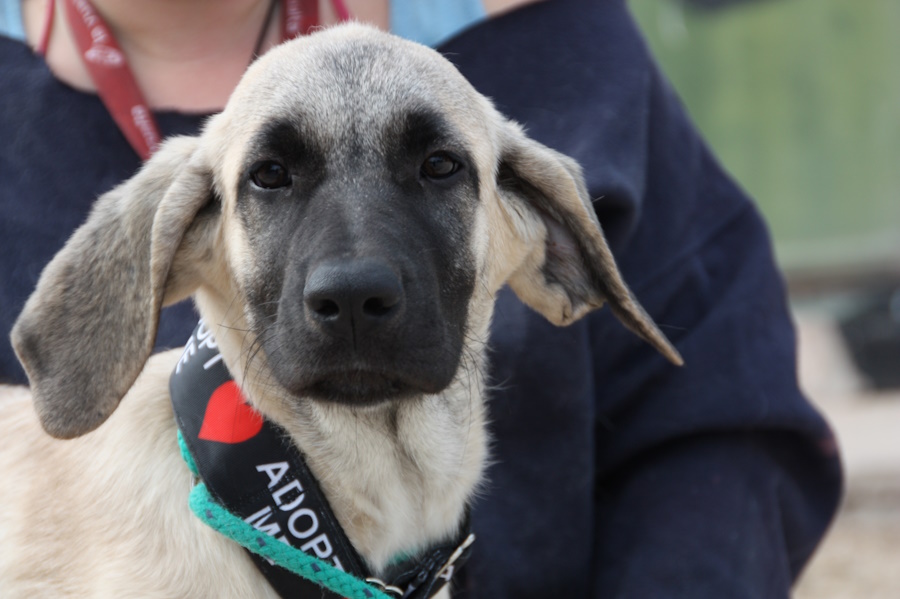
point(89, 327)
point(569, 269)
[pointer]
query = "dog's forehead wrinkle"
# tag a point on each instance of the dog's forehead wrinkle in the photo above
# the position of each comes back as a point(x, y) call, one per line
point(350, 78)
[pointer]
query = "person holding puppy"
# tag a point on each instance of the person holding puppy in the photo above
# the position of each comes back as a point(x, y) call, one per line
point(614, 473)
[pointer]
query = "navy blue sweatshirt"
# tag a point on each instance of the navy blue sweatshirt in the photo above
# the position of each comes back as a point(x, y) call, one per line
point(614, 474)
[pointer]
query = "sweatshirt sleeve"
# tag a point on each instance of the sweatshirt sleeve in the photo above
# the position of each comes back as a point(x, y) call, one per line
point(715, 515)
point(717, 479)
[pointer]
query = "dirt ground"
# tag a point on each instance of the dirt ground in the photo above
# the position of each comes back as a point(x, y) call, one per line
point(860, 557)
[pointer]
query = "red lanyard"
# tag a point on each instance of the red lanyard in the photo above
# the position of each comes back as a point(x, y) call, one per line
point(108, 67)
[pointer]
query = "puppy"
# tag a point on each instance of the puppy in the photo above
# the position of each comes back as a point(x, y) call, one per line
point(343, 226)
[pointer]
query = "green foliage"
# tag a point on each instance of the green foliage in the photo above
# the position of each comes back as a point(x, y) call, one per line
point(800, 99)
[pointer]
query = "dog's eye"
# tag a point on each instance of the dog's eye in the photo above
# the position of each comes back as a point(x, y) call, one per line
point(269, 174)
point(440, 165)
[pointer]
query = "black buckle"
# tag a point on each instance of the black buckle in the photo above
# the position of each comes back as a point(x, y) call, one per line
point(424, 576)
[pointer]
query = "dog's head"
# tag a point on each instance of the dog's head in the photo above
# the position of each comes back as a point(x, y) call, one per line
point(356, 206)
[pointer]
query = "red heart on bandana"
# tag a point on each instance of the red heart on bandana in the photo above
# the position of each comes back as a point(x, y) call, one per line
point(228, 418)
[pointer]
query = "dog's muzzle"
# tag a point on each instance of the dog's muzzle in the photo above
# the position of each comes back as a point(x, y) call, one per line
point(363, 330)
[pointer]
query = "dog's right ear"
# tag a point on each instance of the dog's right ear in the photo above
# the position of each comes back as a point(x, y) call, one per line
point(89, 327)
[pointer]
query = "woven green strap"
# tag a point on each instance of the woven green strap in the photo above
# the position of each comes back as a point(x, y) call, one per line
point(186, 455)
point(290, 558)
point(320, 572)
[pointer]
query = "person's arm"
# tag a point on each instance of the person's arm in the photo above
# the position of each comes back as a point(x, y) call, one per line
point(717, 479)
point(698, 257)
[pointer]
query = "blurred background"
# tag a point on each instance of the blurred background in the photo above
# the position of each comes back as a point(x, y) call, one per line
point(800, 100)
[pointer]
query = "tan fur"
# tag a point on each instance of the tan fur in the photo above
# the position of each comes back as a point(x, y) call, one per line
point(106, 514)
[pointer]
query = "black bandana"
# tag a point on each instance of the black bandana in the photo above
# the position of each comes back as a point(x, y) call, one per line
point(252, 469)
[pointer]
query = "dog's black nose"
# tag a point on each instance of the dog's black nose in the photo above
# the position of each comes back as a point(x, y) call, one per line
point(351, 297)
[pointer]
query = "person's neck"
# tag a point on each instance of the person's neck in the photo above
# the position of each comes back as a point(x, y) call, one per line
point(173, 31)
point(186, 55)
